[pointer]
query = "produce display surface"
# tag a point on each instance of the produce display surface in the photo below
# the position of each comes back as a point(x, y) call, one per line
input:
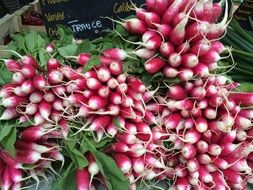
point(155, 103)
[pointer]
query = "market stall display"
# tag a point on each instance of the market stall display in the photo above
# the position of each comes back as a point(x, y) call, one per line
point(152, 101)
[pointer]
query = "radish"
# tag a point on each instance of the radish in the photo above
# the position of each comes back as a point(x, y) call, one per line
point(170, 72)
point(6, 179)
point(127, 138)
point(28, 156)
point(171, 12)
point(123, 162)
point(28, 71)
point(175, 59)
point(120, 147)
point(12, 65)
point(33, 133)
point(83, 58)
point(93, 168)
point(190, 60)
point(188, 151)
point(83, 179)
point(53, 64)
point(39, 82)
point(100, 122)
point(97, 102)
point(45, 109)
point(154, 65)
point(138, 165)
point(166, 49)
point(164, 30)
point(9, 113)
point(103, 74)
point(7, 90)
point(12, 101)
point(50, 48)
point(55, 76)
point(18, 78)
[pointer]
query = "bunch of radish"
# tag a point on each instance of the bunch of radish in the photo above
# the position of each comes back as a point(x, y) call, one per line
point(179, 38)
point(197, 133)
point(15, 170)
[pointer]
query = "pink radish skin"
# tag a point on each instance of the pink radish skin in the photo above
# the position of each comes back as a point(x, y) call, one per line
point(12, 65)
point(200, 49)
point(49, 97)
point(147, 35)
point(83, 179)
point(45, 109)
point(104, 91)
point(93, 168)
point(164, 29)
point(171, 12)
point(220, 163)
point(243, 98)
point(189, 60)
point(55, 77)
point(116, 68)
point(36, 97)
point(175, 59)
point(50, 48)
point(153, 162)
point(185, 74)
point(6, 179)
point(232, 176)
point(170, 72)
point(123, 162)
point(154, 65)
point(103, 74)
point(192, 136)
point(18, 78)
point(28, 71)
point(176, 92)
point(150, 18)
point(201, 70)
point(27, 87)
point(172, 121)
point(136, 84)
point(39, 82)
point(182, 184)
point(97, 102)
point(192, 165)
point(138, 165)
point(120, 147)
point(12, 101)
point(210, 57)
point(28, 156)
point(166, 49)
point(135, 26)
point(9, 113)
point(100, 122)
point(32, 134)
point(180, 171)
point(15, 174)
point(188, 151)
point(127, 138)
point(93, 83)
point(10, 160)
point(7, 90)
point(183, 48)
point(29, 60)
point(83, 58)
point(115, 53)
point(53, 64)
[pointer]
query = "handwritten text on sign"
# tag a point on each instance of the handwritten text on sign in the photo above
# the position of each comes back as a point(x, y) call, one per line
point(84, 17)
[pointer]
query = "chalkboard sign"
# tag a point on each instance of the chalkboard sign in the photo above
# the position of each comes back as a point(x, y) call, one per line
point(84, 17)
point(243, 14)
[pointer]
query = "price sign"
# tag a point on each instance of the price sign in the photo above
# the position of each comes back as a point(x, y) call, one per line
point(85, 17)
